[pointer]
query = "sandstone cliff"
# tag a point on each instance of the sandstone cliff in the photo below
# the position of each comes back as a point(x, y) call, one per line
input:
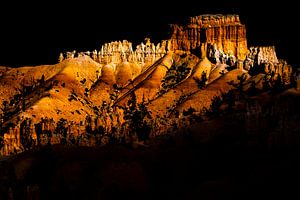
point(226, 31)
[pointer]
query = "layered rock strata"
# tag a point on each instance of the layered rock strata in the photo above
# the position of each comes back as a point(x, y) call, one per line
point(226, 31)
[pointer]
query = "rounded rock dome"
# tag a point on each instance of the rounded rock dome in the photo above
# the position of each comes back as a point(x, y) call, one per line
point(124, 73)
point(108, 74)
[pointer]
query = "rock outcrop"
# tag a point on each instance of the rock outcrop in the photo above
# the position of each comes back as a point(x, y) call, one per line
point(263, 59)
point(260, 55)
point(226, 31)
point(117, 52)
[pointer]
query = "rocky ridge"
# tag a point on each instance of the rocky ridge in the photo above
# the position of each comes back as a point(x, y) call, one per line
point(121, 93)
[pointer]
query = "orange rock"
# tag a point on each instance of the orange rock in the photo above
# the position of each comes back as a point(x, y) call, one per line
point(224, 30)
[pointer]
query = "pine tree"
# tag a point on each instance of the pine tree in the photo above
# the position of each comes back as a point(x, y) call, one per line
point(242, 78)
point(202, 82)
point(1, 141)
point(61, 129)
point(214, 109)
point(266, 83)
point(136, 116)
point(4, 109)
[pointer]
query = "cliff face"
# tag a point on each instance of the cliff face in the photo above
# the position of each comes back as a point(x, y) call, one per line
point(224, 31)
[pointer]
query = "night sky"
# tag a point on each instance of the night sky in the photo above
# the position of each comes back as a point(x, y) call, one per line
point(34, 33)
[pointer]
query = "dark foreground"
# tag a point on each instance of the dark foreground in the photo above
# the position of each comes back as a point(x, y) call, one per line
point(230, 157)
point(187, 171)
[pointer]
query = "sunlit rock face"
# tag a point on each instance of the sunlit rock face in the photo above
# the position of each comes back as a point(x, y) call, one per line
point(264, 59)
point(89, 92)
point(226, 31)
point(260, 55)
point(117, 52)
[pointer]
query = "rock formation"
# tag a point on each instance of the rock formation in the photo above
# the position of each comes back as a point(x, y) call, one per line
point(260, 55)
point(84, 98)
point(224, 31)
point(264, 59)
point(117, 52)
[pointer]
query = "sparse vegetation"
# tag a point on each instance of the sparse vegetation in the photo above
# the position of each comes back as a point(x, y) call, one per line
point(266, 83)
point(25, 134)
point(86, 92)
point(175, 75)
point(83, 81)
point(1, 141)
point(62, 130)
point(214, 109)
point(136, 116)
point(73, 96)
point(202, 82)
point(240, 86)
point(190, 111)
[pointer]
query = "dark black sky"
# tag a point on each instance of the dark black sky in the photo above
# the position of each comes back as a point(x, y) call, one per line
point(34, 33)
